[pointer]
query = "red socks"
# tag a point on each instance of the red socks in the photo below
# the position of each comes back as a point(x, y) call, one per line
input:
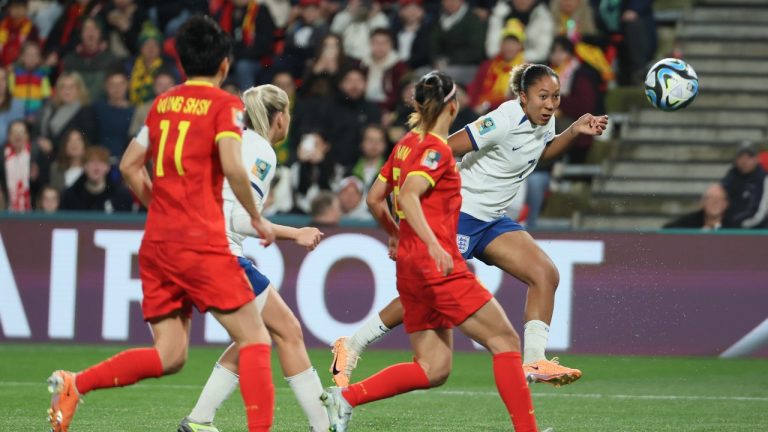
point(120, 370)
point(513, 388)
point(394, 380)
point(256, 386)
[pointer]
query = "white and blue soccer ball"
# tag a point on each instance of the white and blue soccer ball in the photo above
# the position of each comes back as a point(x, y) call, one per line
point(671, 84)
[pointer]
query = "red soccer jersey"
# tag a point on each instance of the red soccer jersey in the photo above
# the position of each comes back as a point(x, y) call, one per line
point(432, 159)
point(182, 129)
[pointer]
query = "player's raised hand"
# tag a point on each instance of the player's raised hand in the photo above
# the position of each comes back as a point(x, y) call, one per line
point(392, 247)
point(442, 258)
point(589, 124)
point(264, 228)
point(309, 237)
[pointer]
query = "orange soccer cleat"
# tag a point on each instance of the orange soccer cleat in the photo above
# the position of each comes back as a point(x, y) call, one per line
point(344, 362)
point(64, 400)
point(550, 372)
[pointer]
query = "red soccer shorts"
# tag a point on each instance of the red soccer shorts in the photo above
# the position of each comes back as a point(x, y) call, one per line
point(175, 276)
point(440, 303)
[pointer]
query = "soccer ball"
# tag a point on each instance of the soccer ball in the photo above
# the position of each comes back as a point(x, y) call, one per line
point(671, 84)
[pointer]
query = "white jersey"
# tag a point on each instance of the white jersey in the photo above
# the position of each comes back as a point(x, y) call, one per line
point(507, 149)
point(260, 161)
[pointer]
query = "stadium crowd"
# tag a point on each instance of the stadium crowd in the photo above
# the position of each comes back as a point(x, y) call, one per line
point(79, 76)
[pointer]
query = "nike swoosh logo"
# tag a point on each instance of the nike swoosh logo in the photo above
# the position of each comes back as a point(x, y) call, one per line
point(335, 371)
point(384, 329)
point(532, 367)
point(516, 148)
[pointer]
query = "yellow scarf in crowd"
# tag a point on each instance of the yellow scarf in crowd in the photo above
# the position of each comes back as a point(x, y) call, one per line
point(143, 80)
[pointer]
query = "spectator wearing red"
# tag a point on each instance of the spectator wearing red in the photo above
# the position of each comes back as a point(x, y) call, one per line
point(91, 58)
point(17, 168)
point(15, 29)
point(490, 87)
point(384, 70)
point(65, 34)
point(250, 24)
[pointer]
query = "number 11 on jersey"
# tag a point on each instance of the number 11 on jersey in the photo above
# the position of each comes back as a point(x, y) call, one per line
point(165, 126)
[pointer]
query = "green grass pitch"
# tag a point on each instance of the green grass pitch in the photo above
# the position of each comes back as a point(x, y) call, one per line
point(615, 394)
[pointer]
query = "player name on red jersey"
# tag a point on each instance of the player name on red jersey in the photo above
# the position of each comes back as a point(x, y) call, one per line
point(185, 105)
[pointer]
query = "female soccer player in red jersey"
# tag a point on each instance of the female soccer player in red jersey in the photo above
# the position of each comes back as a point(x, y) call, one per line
point(436, 289)
point(192, 136)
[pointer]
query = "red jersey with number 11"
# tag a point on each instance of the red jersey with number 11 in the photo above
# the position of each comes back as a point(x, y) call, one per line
point(432, 159)
point(182, 130)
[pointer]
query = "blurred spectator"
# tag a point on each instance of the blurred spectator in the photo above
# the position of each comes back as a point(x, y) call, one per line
point(68, 166)
point(330, 62)
point(345, 117)
point(747, 186)
point(147, 65)
point(65, 34)
point(466, 114)
point(170, 15)
point(163, 82)
point(579, 94)
point(252, 28)
point(313, 172)
point(93, 191)
point(10, 108)
point(91, 58)
point(29, 80)
point(537, 21)
point(48, 200)
point(413, 34)
point(457, 41)
point(384, 70)
point(351, 195)
point(284, 80)
point(573, 19)
point(15, 29)
point(114, 114)
point(46, 15)
point(326, 210)
point(373, 151)
point(68, 109)
point(490, 87)
point(634, 24)
point(396, 122)
point(712, 215)
point(302, 38)
point(17, 168)
point(125, 19)
point(355, 23)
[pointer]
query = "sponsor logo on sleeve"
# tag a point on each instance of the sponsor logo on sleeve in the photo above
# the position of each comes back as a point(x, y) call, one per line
point(485, 125)
point(238, 118)
point(431, 159)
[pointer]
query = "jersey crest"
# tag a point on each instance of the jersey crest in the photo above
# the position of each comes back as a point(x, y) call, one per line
point(462, 241)
point(238, 118)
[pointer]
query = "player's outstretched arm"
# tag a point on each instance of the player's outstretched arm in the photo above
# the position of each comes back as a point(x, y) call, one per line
point(587, 124)
point(134, 171)
point(232, 166)
point(408, 201)
point(460, 143)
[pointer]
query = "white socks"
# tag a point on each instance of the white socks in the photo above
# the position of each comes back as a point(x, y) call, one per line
point(535, 341)
point(308, 389)
point(220, 385)
point(222, 382)
point(368, 333)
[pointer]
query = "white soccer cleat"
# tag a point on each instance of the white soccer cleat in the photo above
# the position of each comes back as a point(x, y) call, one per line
point(339, 410)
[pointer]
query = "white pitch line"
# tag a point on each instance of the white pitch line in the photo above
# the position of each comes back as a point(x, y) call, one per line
point(465, 393)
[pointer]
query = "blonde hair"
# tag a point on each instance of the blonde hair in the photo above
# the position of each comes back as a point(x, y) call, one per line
point(79, 83)
point(262, 103)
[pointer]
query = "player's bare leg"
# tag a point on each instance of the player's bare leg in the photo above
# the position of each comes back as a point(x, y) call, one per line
point(518, 254)
point(251, 338)
point(346, 350)
point(301, 376)
point(171, 334)
point(490, 327)
point(433, 354)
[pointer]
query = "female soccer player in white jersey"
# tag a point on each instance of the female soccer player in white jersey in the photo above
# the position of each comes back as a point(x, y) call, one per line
point(499, 151)
point(268, 121)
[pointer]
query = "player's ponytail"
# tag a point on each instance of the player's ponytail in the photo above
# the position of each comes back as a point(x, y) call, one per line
point(262, 103)
point(433, 91)
point(525, 75)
